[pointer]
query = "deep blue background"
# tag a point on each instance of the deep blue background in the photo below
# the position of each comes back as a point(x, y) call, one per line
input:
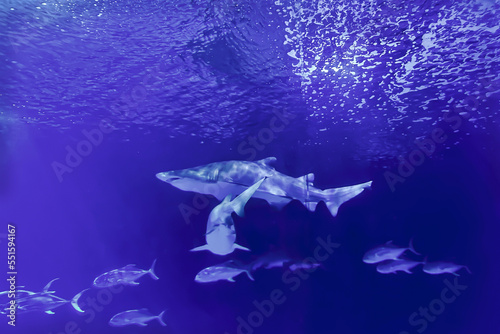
point(185, 84)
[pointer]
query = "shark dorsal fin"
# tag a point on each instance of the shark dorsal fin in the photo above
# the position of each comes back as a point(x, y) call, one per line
point(227, 199)
point(129, 266)
point(267, 161)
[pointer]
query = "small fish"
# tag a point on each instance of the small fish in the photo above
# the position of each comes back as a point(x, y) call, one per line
point(393, 266)
point(280, 259)
point(136, 317)
point(388, 251)
point(126, 275)
point(224, 271)
point(439, 267)
point(277, 259)
point(304, 265)
point(44, 301)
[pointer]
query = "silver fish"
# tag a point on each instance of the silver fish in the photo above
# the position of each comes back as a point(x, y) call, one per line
point(224, 271)
point(126, 275)
point(43, 301)
point(279, 259)
point(439, 267)
point(388, 251)
point(136, 317)
point(233, 177)
point(221, 234)
point(276, 259)
point(393, 266)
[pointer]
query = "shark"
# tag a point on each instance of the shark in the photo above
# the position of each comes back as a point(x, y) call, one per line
point(221, 234)
point(232, 177)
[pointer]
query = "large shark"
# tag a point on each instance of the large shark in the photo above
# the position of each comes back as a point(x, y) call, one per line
point(232, 177)
point(221, 235)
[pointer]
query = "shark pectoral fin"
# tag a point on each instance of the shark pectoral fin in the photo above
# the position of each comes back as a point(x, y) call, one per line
point(200, 248)
point(49, 312)
point(230, 279)
point(133, 283)
point(238, 204)
point(456, 274)
point(236, 246)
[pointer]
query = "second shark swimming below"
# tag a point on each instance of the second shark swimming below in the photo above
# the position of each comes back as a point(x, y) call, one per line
point(221, 234)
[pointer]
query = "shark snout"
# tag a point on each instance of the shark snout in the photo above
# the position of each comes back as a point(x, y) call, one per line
point(167, 177)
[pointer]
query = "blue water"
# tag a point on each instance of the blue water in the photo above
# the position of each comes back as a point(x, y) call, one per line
point(343, 89)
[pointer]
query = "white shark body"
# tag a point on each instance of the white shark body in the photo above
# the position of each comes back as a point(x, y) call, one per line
point(221, 234)
point(221, 179)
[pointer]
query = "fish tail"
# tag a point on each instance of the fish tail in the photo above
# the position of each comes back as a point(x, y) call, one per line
point(160, 318)
point(249, 274)
point(335, 197)
point(411, 247)
point(74, 301)
point(152, 271)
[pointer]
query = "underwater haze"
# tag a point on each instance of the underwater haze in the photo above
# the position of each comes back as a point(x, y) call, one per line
point(397, 100)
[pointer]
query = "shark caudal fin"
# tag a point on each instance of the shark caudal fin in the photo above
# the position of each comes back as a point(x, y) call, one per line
point(160, 318)
point(335, 197)
point(74, 301)
point(151, 271)
point(238, 204)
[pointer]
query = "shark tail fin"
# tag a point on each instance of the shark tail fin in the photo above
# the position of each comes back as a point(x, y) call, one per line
point(151, 271)
point(200, 248)
point(74, 301)
point(411, 248)
point(335, 197)
point(160, 318)
point(238, 204)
